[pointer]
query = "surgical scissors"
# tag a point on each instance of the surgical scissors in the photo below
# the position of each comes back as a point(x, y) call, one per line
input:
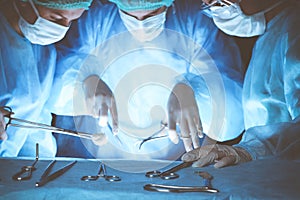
point(170, 173)
point(21, 123)
point(27, 169)
point(101, 173)
point(45, 178)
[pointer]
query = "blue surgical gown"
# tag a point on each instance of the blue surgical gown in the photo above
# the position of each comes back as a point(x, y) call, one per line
point(271, 95)
point(26, 75)
point(141, 75)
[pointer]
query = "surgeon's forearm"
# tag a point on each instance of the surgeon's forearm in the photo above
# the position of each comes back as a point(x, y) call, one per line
point(277, 140)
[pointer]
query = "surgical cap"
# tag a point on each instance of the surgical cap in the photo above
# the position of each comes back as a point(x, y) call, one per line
point(134, 5)
point(63, 4)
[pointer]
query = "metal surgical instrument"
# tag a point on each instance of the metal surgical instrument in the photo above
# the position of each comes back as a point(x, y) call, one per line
point(170, 173)
point(21, 123)
point(101, 173)
point(159, 134)
point(178, 189)
point(27, 169)
point(115, 135)
point(206, 177)
point(155, 135)
point(45, 178)
point(205, 6)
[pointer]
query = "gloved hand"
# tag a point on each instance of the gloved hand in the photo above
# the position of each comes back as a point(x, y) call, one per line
point(100, 99)
point(221, 155)
point(183, 110)
point(3, 135)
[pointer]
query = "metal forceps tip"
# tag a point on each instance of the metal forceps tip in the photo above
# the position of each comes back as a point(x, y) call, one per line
point(155, 135)
point(170, 173)
point(21, 123)
point(205, 6)
point(45, 178)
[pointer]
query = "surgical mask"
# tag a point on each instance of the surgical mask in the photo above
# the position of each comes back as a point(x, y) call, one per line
point(232, 20)
point(144, 30)
point(42, 32)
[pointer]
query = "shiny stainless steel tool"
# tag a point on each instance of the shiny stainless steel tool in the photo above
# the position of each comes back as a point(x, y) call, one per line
point(101, 173)
point(205, 6)
point(170, 173)
point(21, 123)
point(45, 178)
point(178, 189)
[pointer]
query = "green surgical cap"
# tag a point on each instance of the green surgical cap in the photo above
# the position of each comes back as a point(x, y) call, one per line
point(63, 4)
point(134, 5)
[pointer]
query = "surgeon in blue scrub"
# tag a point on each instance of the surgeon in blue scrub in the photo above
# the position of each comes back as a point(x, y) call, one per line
point(271, 93)
point(155, 76)
point(28, 28)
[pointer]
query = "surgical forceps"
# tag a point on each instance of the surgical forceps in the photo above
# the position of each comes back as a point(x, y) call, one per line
point(101, 173)
point(170, 173)
point(21, 123)
point(205, 6)
point(27, 169)
point(178, 189)
point(45, 178)
point(155, 135)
